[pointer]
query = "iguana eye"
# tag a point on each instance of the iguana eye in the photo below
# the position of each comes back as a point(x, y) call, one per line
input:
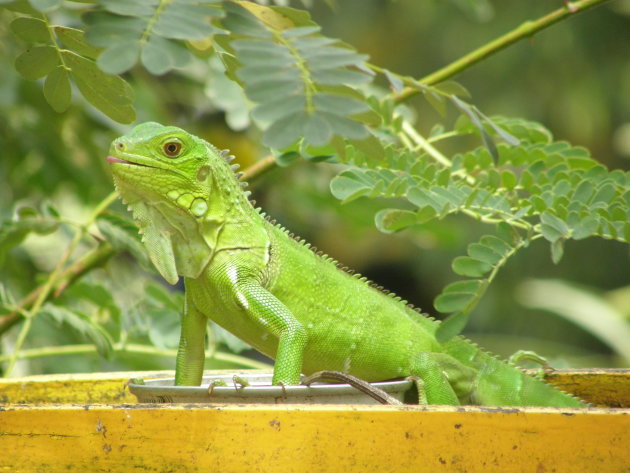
point(172, 149)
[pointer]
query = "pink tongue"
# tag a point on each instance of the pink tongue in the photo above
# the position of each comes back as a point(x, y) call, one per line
point(112, 159)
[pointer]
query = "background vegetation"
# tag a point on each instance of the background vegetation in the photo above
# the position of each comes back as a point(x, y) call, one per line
point(59, 112)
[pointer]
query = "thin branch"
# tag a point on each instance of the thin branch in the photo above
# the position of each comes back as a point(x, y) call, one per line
point(258, 169)
point(523, 31)
point(130, 348)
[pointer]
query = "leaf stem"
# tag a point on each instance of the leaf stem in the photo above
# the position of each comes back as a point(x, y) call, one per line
point(421, 142)
point(525, 30)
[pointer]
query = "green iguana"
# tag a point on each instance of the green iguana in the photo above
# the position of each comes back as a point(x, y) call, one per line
point(273, 291)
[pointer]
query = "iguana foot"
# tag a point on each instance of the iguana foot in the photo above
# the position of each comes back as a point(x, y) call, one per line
point(214, 384)
point(521, 355)
point(239, 382)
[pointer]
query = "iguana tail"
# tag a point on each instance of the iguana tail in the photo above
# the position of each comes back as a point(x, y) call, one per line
point(496, 383)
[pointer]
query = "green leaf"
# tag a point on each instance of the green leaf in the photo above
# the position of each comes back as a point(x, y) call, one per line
point(317, 131)
point(301, 31)
point(604, 194)
point(484, 253)
point(30, 30)
point(45, 5)
point(154, 58)
point(424, 214)
point(124, 7)
point(119, 58)
point(159, 55)
point(36, 62)
point(184, 21)
point(585, 228)
point(422, 198)
point(74, 40)
point(471, 267)
point(470, 286)
point(96, 294)
point(394, 220)
point(83, 324)
point(163, 329)
point(505, 136)
point(241, 22)
point(436, 101)
point(254, 74)
point(249, 53)
point(345, 127)
point(332, 58)
point(312, 44)
point(346, 187)
point(499, 245)
point(340, 77)
point(451, 327)
point(508, 180)
point(286, 159)
point(557, 250)
point(13, 232)
point(394, 81)
point(285, 131)
point(272, 90)
point(57, 89)
point(123, 235)
point(162, 297)
point(276, 109)
point(449, 302)
point(110, 94)
point(339, 105)
point(150, 31)
point(106, 30)
point(475, 117)
point(452, 88)
point(553, 228)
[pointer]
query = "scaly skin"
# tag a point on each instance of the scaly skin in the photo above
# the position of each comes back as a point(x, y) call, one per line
point(271, 290)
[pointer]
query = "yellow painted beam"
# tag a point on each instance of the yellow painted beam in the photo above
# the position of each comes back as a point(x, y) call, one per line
point(52, 424)
point(74, 388)
point(191, 438)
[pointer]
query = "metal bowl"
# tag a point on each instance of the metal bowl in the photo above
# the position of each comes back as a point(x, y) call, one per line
point(259, 391)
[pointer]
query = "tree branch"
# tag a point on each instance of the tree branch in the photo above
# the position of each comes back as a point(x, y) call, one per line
point(525, 30)
point(259, 168)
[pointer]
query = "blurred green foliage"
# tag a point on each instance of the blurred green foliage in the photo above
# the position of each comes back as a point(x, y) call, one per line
point(573, 77)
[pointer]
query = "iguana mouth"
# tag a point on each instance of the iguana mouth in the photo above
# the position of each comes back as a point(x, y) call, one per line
point(114, 159)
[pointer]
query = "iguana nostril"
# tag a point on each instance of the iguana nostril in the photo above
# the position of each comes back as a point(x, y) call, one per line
point(120, 146)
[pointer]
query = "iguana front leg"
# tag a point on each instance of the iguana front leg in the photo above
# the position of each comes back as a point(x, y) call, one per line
point(261, 314)
point(191, 354)
point(265, 309)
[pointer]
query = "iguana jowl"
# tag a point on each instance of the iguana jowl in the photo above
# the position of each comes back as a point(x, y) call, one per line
point(271, 290)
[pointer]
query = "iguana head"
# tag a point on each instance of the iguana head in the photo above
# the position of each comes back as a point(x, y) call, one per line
point(156, 163)
point(180, 189)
